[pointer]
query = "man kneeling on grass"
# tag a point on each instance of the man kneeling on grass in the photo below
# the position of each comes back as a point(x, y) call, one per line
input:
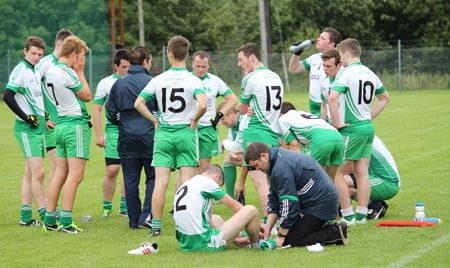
point(197, 229)
point(301, 196)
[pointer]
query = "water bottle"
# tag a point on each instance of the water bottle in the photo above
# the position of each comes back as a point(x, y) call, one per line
point(420, 212)
point(241, 199)
point(296, 47)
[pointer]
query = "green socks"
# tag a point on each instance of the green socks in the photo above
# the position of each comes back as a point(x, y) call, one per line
point(123, 204)
point(66, 218)
point(107, 205)
point(26, 213)
point(156, 224)
point(229, 172)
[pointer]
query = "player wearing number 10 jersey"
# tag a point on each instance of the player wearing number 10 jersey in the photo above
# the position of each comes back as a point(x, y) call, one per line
point(353, 118)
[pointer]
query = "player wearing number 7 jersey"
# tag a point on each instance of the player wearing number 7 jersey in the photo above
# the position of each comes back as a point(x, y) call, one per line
point(181, 101)
point(262, 91)
point(353, 118)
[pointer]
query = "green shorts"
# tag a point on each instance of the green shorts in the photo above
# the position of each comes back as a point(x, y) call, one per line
point(382, 189)
point(49, 138)
point(32, 145)
point(111, 140)
point(358, 146)
point(208, 141)
point(73, 141)
point(174, 149)
point(250, 135)
point(216, 243)
point(330, 153)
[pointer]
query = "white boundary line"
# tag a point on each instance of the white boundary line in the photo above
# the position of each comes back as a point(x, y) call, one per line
point(422, 251)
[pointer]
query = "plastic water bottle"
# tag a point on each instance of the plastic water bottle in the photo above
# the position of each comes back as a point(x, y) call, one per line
point(301, 46)
point(420, 212)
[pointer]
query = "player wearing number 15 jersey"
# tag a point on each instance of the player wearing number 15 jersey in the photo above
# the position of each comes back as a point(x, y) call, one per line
point(353, 118)
point(181, 101)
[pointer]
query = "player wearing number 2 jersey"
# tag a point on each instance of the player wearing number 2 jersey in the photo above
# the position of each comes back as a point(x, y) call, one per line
point(197, 229)
point(181, 101)
point(262, 91)
point(353, 118)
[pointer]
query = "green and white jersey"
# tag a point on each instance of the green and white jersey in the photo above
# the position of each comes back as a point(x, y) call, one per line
point(42, 68)
point(382, 164)
point(314, 65)
point(228, 143)
point(359, 86)
point(302, 125)
point(325, 89)
point(63, 83)
point(102, 93)
point(214, 87)
point(263, 90)
point(175, 92)
point(193, 210)
point(25, 82)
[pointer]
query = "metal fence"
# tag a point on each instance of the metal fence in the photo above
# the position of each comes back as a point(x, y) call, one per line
point(400, 68)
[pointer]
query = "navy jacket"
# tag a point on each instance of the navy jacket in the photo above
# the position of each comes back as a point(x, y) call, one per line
point(136, 134)
point(298, 184)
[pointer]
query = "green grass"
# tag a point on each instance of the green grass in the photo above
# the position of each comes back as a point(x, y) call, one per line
point(415, 127)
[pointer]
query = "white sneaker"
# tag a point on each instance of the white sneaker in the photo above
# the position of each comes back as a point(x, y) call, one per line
point(362, 221)
point(145, 248)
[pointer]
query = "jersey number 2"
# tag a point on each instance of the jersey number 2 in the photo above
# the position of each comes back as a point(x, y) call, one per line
point(181, 192)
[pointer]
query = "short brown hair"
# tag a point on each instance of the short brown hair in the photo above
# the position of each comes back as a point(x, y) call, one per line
point(286, 107)
point(250, 49)
point(351, 45)
point(335, 36)
point(138, 54)
point(332, 53)
point(222, 104)
point(63, 34)
point(254, 151)
point(34, 41)
point(179, 46)
point(202, 55)
point(71, 44)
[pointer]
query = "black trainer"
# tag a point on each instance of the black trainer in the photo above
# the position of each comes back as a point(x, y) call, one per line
point(46, 227)
point(33, 222)
point(146, 225)
point(343, 230)
point(155, 232)
point(71, 229)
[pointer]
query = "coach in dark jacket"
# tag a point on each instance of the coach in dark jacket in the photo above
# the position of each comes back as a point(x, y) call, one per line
point(301, 196)
point(135, 145)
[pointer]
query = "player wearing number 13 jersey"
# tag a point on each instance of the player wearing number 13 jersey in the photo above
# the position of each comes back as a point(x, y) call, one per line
point(353, 118)
point(262, 91)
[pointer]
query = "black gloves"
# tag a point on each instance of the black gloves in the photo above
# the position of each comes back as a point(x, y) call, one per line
point(33, 120)
point(216, 119)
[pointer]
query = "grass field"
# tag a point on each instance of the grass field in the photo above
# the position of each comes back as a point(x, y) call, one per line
point(415, 127)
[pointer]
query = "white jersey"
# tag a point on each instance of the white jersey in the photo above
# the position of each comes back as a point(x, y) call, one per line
point(175, 92)
point(237, 145)
point(63, 82)
point(102, 91)
point(305, 125)
point(27, 83)
point(214, 87)
point(42, 68)
point(314, 65)
point(359, 86)
point(263, 90)
point(193, 210)
point(382, 164)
